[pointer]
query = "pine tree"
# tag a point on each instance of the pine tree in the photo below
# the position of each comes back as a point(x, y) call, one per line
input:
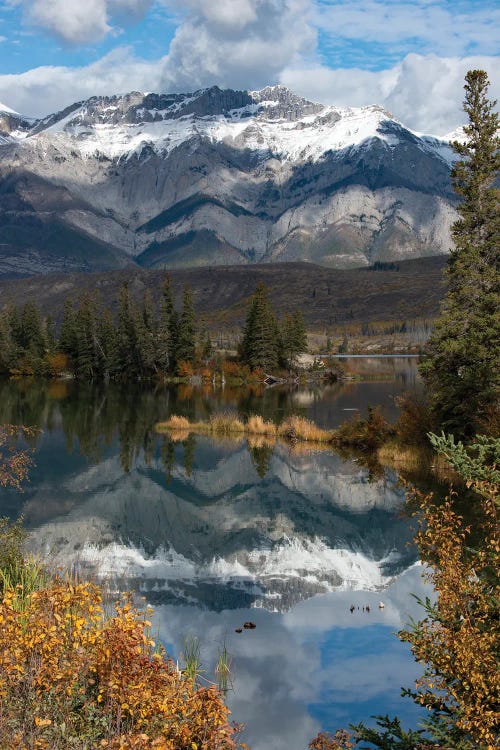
point(167, 330)
point(108, 364)
point(126, 339)
point(461, 366)
point(68, 334)
point(88, 348)
point(186, 342)
point(8, 349)
point(294, 337)
point(148, 336)
point(261, 344)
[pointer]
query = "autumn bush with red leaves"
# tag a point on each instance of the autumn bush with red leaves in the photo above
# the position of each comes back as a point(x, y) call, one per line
point(72, 677)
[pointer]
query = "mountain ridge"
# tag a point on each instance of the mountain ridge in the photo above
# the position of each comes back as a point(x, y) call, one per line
point(216, 177)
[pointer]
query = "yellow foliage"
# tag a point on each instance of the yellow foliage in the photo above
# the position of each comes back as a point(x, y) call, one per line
point(460, 639)
point(71, 677)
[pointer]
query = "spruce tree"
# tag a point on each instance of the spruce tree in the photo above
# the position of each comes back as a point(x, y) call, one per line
point(261, 344)
point(167, 330)
point(126, 339)
point(68, 334)
point(294, 337)
point(461, 366)
point(186, 341)
point(148, 336)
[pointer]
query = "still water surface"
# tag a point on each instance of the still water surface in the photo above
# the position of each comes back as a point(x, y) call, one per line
point(217, 533)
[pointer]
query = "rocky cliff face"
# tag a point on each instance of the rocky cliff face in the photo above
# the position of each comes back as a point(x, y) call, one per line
point(217, 177)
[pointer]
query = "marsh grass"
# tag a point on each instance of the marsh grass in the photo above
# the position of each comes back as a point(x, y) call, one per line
point(256, 425)
point(191, 656)
point(293, 428)
point(223, 669)
point(298, 428)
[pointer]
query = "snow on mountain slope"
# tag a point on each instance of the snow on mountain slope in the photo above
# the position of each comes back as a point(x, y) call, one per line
point(220, 177)
point(297, 131)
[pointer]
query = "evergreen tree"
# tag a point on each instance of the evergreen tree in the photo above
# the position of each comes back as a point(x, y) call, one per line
point(108, 364)
point(32, 338)
point(148, 336)
point(126, 339)
point(294, 338)
point(68, 335)
point(167, 330)
point(8, 349)
point(88, 350)
point(461, 366)
point(261, 343)
point(186, 342)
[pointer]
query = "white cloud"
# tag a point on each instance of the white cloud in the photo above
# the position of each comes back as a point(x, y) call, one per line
point(452, 28)
point(78, 22)
point(252, 43)
point(47, 89)
point(425, 92)
point(238, 43)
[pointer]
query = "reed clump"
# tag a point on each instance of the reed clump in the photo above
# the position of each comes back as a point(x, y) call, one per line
point(293, 428)
point(175, 422)
point(256, 425)
point(364, 434)
point(223, 424)
point(298, 428)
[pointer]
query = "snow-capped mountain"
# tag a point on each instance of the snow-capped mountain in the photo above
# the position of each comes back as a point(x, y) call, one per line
point(218, 177)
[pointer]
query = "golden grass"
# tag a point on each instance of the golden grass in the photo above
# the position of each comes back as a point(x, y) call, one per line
point(402, 456)
point(413, 458)
point(299, 428)
point(292, 429)
point(258, 426)
point(174, 423)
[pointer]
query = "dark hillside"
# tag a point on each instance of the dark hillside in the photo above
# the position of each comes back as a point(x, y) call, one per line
point(397, 291)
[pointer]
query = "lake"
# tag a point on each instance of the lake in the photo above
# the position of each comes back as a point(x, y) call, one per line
point(216, 533)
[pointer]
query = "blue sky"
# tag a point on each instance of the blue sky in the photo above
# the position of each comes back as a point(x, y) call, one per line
point(408, 56)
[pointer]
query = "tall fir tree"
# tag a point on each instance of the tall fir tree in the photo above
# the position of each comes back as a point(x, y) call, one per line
point(261, 344)
point(294, 337)
point(68, 333)
point(126, 335)
point(167, 329)
point(186, 341)
point(461, 366)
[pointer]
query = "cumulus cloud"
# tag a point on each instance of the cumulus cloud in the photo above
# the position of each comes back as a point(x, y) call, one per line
point(425, 92)
point(238, 43)
point(47, 89)
point(78, 22)
point(252, 43)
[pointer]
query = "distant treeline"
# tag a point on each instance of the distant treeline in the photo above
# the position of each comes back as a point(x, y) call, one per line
point(141, 341)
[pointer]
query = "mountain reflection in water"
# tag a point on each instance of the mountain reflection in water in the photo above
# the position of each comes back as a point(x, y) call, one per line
point(216, 533)
point(221, 535)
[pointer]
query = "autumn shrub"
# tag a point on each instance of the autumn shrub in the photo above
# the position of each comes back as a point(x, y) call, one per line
point(185, 369)
point(299, 428)
point(414, 420)
point(225, 424)
point(256, 425)
point(57, 364)
point(341, 740)
point(364, 434)
point(71, 677)
point(231, 369)
point(14, 461)
point(206, 374)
